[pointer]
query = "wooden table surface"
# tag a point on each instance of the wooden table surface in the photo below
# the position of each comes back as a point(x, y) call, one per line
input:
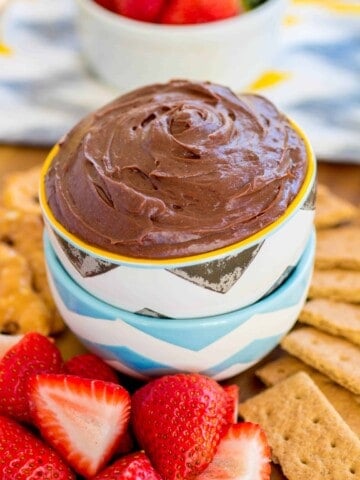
point(343, 179)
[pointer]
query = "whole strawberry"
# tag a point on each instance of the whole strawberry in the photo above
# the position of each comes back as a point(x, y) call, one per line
point(25, 457)
point(88, 365)
point(177, 420)
point(135, 466)
point(32, 354)
point(126, 443)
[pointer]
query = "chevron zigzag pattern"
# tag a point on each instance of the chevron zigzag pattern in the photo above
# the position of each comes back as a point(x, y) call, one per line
point(159, 289)
point(144, 355)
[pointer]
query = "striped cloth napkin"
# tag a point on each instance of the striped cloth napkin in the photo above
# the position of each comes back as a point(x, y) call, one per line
point(45, 87)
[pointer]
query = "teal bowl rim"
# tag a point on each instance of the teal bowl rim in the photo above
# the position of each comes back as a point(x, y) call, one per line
point(300, 272)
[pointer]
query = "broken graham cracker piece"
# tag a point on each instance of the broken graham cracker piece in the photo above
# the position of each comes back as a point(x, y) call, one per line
point(333, 356)
point(336, 284)
point(338, 248)
point(338, 318)
point(332, 210)
point(24, 231)
point(21, 309)
point(346, 403)
point(20, 190)
point(307, 436)
point(281, 368)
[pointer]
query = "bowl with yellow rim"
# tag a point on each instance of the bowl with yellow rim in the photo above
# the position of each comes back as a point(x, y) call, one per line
point(210, 283)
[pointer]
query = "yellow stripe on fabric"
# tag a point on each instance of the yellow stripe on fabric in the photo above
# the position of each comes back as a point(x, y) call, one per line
point(270, 78)
point(5, 49)
point(337, 6)
point(290, 20)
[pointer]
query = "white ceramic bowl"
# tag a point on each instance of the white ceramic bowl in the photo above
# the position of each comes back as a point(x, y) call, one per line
point(220, 346)
point(127, 53)
point(211, 283)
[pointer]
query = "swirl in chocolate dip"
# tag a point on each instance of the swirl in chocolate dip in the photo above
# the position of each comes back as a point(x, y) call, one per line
point(176, 169)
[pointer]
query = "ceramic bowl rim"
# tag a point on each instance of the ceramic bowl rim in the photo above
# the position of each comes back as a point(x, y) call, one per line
point(115, 258)
point(58, 272)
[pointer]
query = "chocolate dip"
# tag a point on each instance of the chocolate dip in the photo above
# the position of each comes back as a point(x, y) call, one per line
point(176, 169)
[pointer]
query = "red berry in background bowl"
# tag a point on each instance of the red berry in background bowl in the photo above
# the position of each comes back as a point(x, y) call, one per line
point(107, 4)
point(174, 12)
point(144, 10)
point(184, 12)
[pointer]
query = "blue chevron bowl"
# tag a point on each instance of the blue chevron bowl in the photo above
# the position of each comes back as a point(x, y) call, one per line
point(219, 346)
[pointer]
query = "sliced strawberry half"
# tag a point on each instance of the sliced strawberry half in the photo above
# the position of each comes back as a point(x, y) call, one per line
point(82, 419)
point(32, 354)
point(136, 466)
point(242, 454)
point(88, 365)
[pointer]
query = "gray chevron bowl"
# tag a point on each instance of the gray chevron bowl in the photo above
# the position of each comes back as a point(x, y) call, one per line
point(212, 283)
point(219, 346)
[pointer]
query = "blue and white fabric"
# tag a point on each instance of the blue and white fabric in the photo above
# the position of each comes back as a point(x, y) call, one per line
point(45, 87)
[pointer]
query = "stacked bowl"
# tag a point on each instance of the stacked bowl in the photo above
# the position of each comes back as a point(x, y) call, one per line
point(215, 312)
